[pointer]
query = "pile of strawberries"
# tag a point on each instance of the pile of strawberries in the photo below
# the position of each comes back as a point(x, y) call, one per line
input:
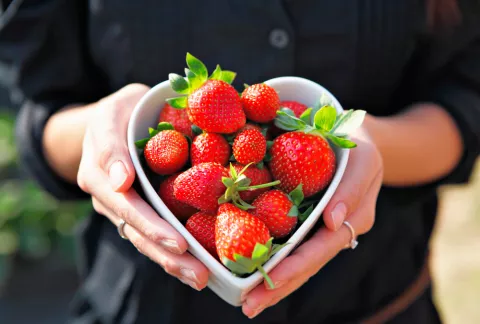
point(237, 166)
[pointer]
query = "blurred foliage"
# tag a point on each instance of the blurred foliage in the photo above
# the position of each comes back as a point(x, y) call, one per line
point(32, 224)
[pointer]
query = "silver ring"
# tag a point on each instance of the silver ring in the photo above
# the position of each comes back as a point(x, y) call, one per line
point(120, 229)
point(353, 242)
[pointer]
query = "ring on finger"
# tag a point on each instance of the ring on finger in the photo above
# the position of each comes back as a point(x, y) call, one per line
point(120, 229)
point(353, 242)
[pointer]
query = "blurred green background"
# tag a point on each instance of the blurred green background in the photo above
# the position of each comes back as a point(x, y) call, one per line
point(37, 254)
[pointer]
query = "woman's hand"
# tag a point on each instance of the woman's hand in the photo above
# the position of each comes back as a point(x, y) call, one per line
point(354, 201)
point(106, 172)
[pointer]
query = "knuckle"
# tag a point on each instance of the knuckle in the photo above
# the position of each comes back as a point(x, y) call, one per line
point(105, 155)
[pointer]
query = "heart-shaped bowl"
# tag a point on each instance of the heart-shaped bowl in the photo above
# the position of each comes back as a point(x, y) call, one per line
point(226, 285)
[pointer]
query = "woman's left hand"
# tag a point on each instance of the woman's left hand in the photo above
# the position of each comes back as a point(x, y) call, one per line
point(354, 201)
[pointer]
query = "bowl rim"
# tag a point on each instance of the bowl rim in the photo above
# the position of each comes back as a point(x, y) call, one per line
point(206, 258)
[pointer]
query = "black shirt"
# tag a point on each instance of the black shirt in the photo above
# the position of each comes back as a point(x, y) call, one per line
point(377, 55)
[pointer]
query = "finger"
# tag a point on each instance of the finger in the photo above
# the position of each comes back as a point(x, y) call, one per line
point(130, 207)
point(110, 136)
point(353, 186)
point(311, 256)
point(185, 267)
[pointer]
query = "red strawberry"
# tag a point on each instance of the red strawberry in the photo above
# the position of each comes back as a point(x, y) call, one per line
point(257, 176)
point(250, 126)
point(249, 146)
point(274, 208)
point(202, 226)
point(243, 241)
point(181, 210)
point(260, 102)
point(299, 158)
point(295, 106)
point(210, 147)
point(178, 118)
point(212, 103)
point(305, 157)
point(166, 152)
point(201, 186)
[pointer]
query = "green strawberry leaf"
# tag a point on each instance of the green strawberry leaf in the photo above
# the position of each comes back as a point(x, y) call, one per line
point(325, 118)
point(243, 181)
point(260, 165)
point(233, 172)
point(296, 195)
point(240, 203)
point(152, 132)
point(303, 216)
point(260, 253)
point(264, 132)
point(293, 212)
point(269, 145)
point(288, 111)
point(217, 73)
point(197, 67)
point(235, 267)
point(245, 169)
point(341, 142)
point(268, 157)
point(349, 122)
point(228, 76)
point(194, 80)
point(141, 143)
point(269, 243)
point(232, 158)
point(286, 120)
point(305, 116)
point(164, 126)
point(276, 248)
point(245, 85)
point(178, 103)
point(196, 130)
point(228, 182)
point(178, 83)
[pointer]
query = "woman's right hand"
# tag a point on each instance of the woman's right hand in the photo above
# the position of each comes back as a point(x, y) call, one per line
point(106, 172)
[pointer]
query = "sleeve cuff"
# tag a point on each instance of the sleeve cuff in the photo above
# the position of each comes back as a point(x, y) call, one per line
point(463, 105)
point(30, 123)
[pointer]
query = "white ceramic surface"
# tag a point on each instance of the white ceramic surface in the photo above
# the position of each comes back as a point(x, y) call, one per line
point(221, 281)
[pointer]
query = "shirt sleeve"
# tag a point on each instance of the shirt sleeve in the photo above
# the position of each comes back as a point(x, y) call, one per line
point(456, 88)
point(45, 67)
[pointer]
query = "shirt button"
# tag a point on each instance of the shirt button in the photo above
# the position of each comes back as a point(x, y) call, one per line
point(279, 38)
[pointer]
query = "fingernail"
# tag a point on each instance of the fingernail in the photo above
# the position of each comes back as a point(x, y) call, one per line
point(189, 283)
point(117, 175)
point(338, 215)
point(189, 274)
point(276, 284)
point(171, 245)
point(256, 312)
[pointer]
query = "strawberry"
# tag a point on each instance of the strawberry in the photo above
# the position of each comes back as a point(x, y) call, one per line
point(257, 176)
point(178, 118)
point(304, 156)
point(260, 102)
point(278, 210)
point(181, 210)
point(243, 241)
point(201, 186)
point(166, 150)
point(249, 146)
point(238, 183)
point(295, 106)
point(210, 147)
point(202, 227)
point(211, 102)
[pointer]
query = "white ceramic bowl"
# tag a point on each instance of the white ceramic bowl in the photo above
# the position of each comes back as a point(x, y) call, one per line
point(221, 280)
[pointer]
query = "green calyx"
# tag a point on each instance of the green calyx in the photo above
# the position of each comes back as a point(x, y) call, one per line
point(152, 132)
point(238, 182)
point(323, 121)
point(261, 254)
point(296, 197)
point(195, 76)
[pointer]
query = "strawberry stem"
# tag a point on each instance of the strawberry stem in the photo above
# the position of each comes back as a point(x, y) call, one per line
point(260, 186)
point(265, 275)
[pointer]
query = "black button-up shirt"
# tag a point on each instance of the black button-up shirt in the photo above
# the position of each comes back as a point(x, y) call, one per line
point(377, 55)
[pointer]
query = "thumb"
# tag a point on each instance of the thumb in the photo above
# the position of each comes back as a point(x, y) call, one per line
point(114, 158)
